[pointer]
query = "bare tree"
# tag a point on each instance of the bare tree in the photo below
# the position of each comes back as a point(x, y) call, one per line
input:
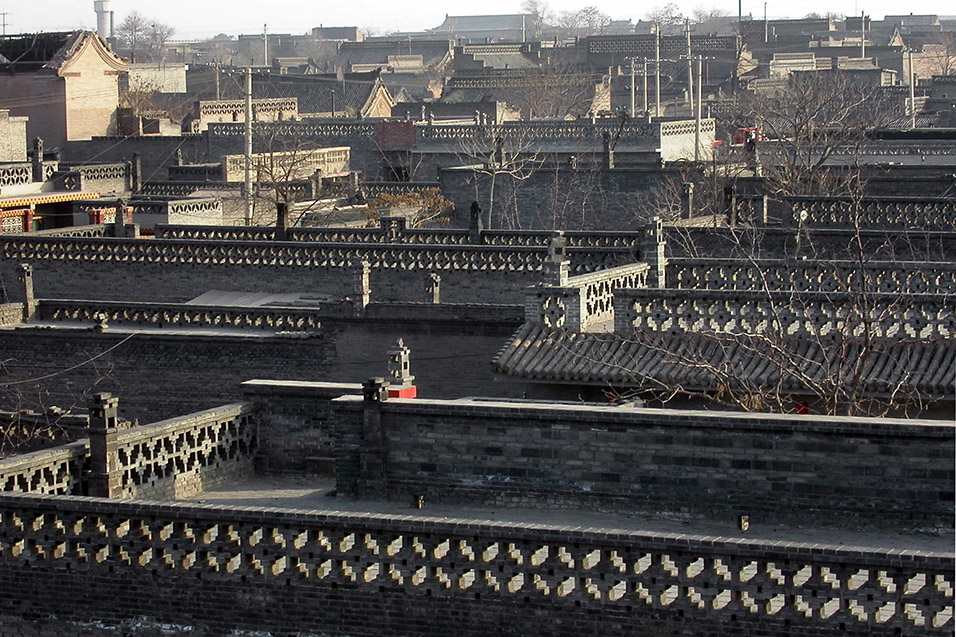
point(430, 207)
point(668, 17)
point(938, 56)
point(557, 92)
point(826, 349)
point(142, 37)
point(808, 122)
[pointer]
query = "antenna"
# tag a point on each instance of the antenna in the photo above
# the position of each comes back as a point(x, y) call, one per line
point(3, 15)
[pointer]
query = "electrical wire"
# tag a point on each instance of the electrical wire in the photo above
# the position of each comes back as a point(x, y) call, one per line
point(72, 367)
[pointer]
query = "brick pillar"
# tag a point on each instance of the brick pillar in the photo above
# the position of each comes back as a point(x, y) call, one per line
point(136, 173)
point(730, 203)
point(608, 155)
point(433, 288)
point(361, 290)
point(401, 381)
point(119, 218)
point(37, 160)
point(556, 266)
point(653, 253)
point(315, 180)
point(373, 453)
point(105, 479)
point(394, 225)
point(29, 303)
point(282, 221)
point(687, 200)
point(476, 224)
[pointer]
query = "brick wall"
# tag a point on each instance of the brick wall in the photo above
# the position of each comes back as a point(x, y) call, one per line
point(219, 569)
point(295, 432)
point(826, 471)
point(549, 198)
point(156, 375)
point(163, 373)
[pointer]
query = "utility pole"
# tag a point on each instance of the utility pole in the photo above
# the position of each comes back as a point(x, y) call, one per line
point(248, 148)
point(4, 16)
point(633, 90)
point(700, 81)
point(644, 92)
point(265, 45)
point(909, 57)
point(862, 34)
point(657, 67)
point(690, 68)
point(766, 25)
point(218, 89)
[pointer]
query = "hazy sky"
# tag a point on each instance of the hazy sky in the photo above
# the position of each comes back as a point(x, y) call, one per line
point(202, 18)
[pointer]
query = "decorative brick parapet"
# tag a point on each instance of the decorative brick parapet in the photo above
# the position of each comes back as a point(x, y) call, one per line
point(780, 586)
point(170, 458)
point(586, 300)
point(786, 314)
point(771, 275)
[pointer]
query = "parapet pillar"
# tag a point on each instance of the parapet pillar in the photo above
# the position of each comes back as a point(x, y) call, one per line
point(476, 225)
point(433, 288)
point(29, 301)
point(119, 219)
point(653, 253)
point(394, 225)
point(316, 182)
point(105, 478)
point(373, 459)
point(37, 160)
point(687, 200)
point(361, 290)
point(282, 221)
point(730, 203)
point(608, 155)
point(557, 265)
point(136, 173)
point(401, 381)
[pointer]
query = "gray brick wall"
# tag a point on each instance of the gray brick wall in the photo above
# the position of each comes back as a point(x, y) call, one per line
point(794, 469)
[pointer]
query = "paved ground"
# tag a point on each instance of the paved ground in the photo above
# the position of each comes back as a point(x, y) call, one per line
point(313, 493)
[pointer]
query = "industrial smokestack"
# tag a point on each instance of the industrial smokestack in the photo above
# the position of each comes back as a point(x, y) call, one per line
point(102, 8)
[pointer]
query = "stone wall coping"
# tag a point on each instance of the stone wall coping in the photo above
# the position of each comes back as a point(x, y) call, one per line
point(182, 423)
point(299, 388)
point(783, 296)
point(604, 275)
point(816, 231)
point(236, 245)
point(77, 449)
point(831, 264)
point(618, 416)
point(173, 333)
point(477, 528)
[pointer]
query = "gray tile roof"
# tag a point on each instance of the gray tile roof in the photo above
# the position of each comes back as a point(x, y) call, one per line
point(646, 361)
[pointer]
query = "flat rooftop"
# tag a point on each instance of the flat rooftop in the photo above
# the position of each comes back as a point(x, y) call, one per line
point(318, 493)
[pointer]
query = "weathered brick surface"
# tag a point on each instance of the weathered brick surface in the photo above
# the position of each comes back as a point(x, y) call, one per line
point(826, 471)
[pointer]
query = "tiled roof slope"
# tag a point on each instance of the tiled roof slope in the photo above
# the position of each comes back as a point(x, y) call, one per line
point(540, 353)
